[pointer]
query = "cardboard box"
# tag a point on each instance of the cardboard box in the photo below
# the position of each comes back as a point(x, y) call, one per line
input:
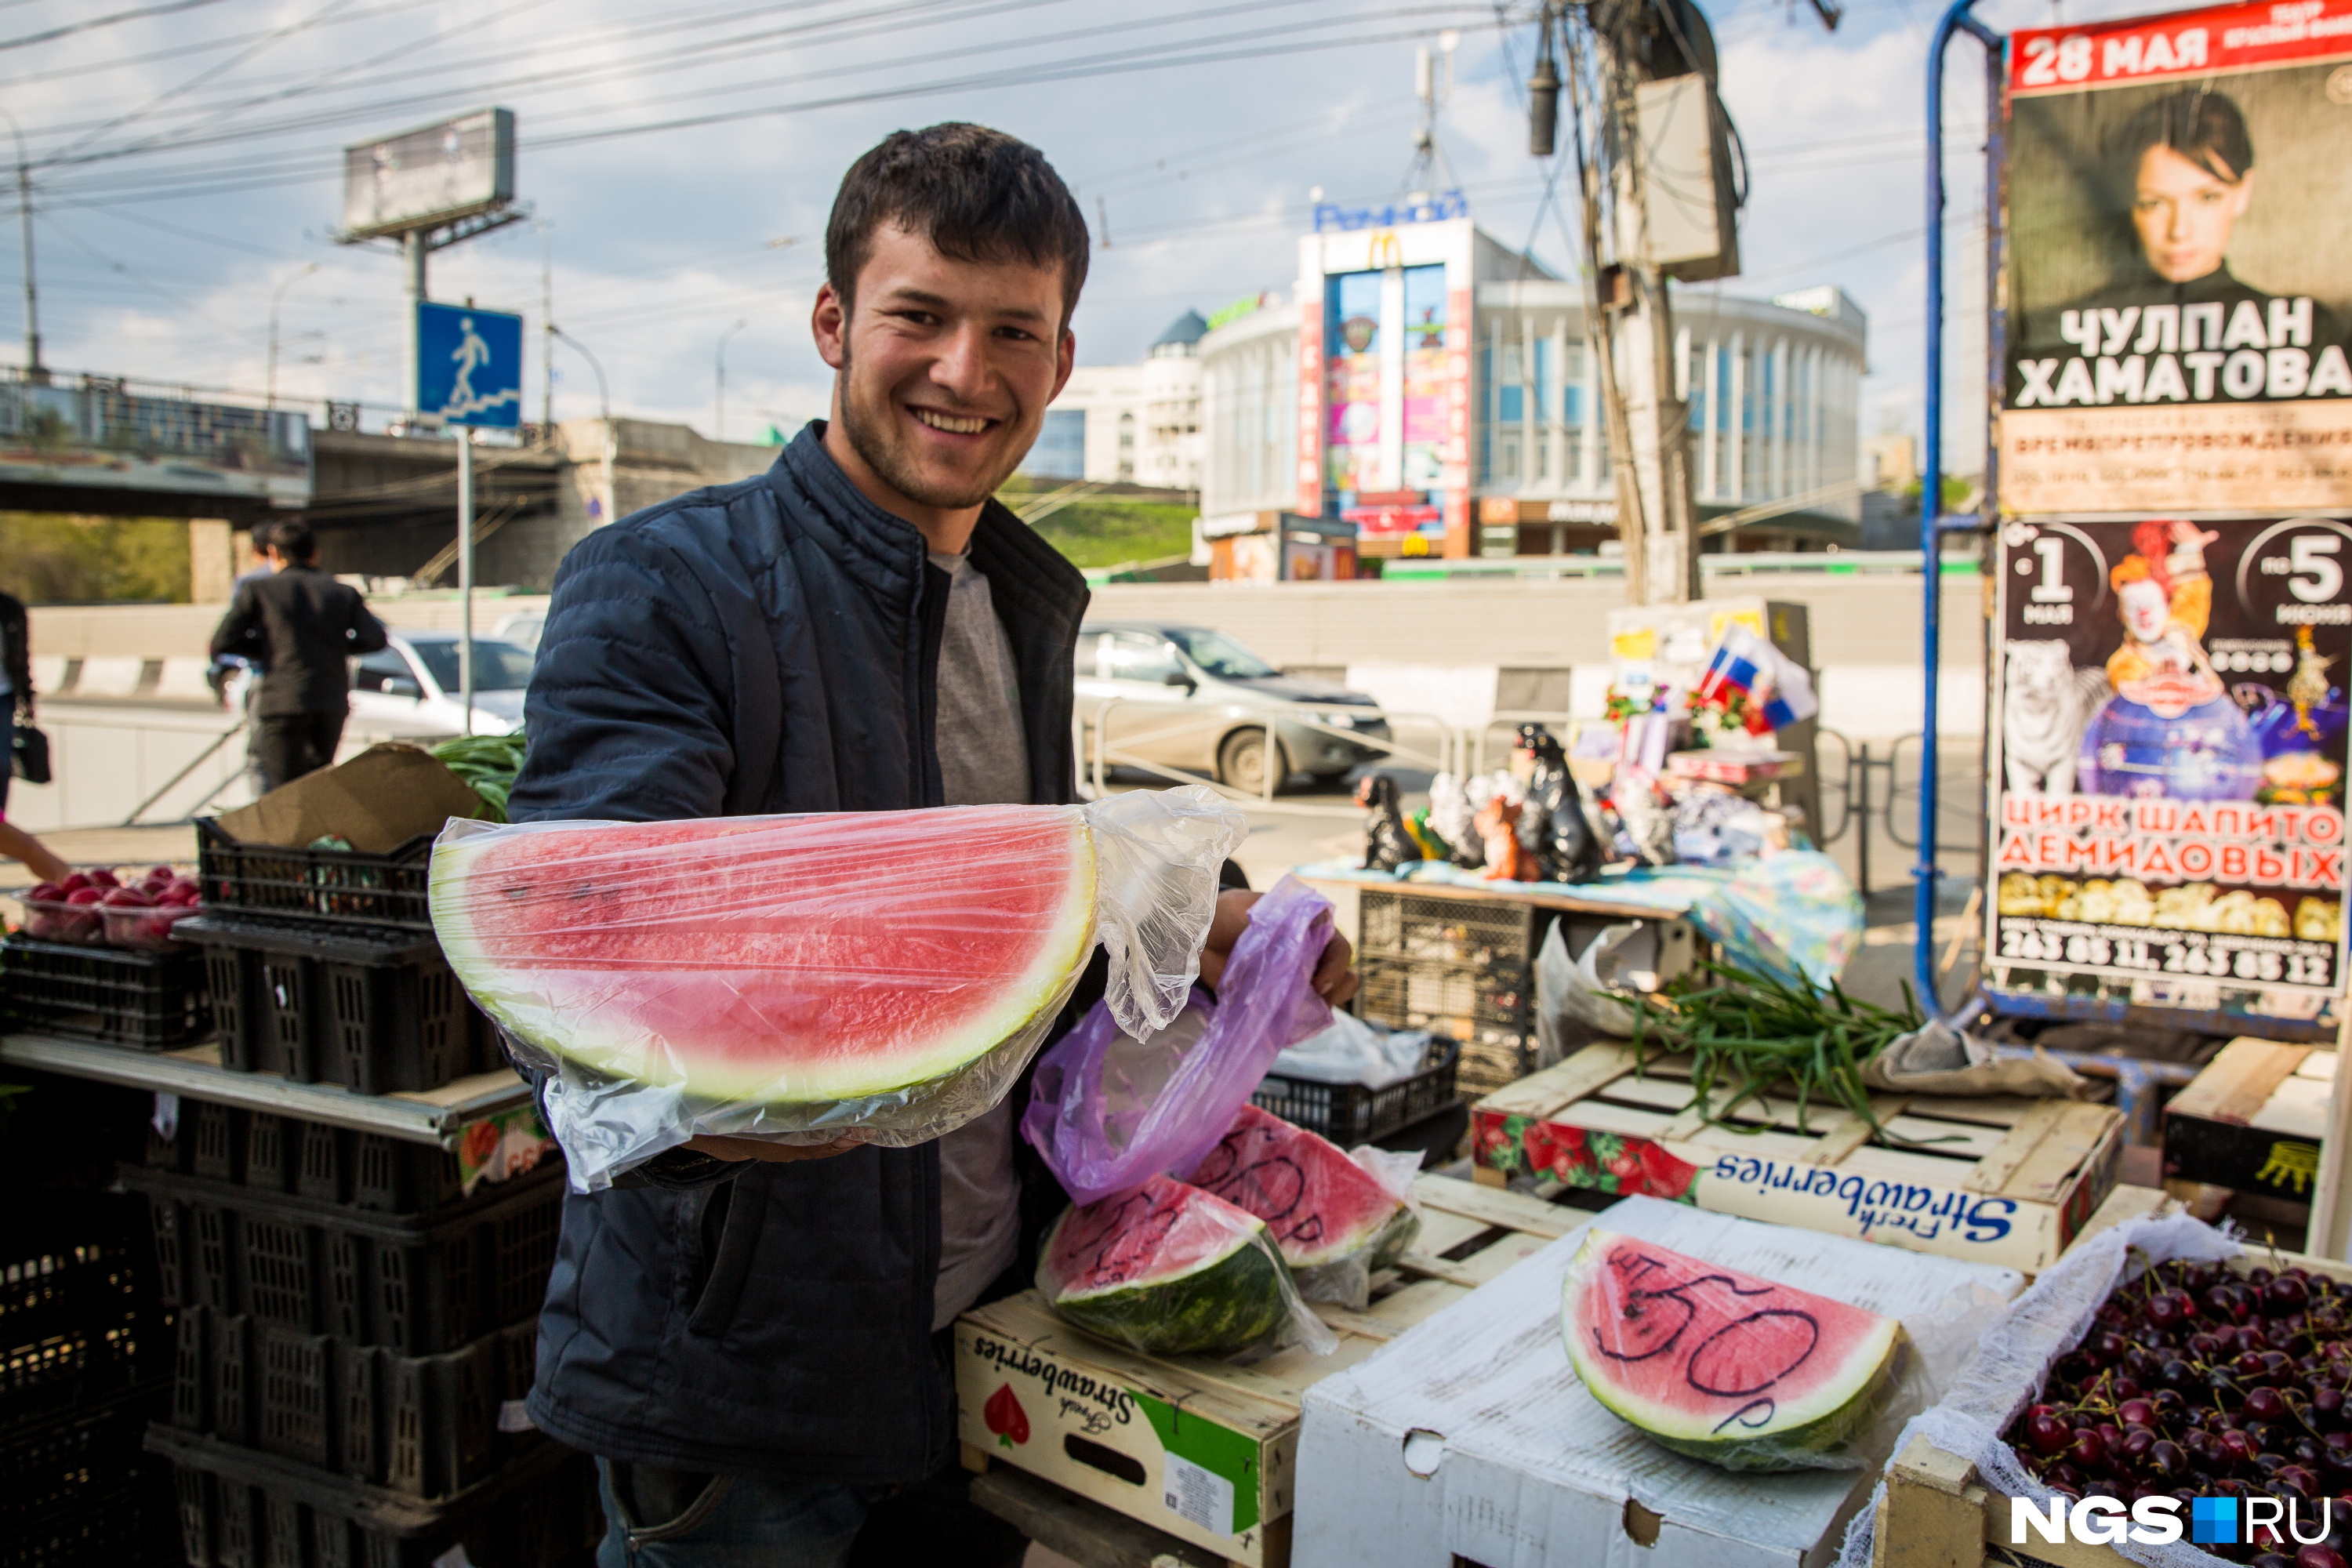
point(2254, 1121)
point(1469, 1438)
point(2001, 1181)
point(1197, 1447)
point(378, 801)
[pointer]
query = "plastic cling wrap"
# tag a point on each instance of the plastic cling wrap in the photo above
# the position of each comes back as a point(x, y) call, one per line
point(879, 975)
point(1338, 1219)
point(1170, 1271)
point(1108, 1112)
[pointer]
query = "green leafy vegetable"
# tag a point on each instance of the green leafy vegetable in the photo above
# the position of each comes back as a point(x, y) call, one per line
point(489, 763)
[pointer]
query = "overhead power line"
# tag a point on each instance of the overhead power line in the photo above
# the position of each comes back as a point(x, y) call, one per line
point(71, 28)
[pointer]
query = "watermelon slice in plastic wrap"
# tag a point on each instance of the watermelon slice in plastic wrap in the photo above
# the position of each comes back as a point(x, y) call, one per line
point(1721, 1365)
point(884, 975)
point(1335, 1222)
point(1172, 1270)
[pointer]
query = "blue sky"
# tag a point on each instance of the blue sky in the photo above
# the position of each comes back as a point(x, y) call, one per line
point(185, 166)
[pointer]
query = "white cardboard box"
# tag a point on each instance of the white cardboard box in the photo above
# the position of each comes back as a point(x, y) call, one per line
point(1468, 1438)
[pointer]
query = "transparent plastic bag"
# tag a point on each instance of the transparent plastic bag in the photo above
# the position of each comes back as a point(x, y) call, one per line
point(1108, 1112)
point(1708, 1310)
point(913, 960)
point(1339, 1219)
point(2012, 1359)
point(1169, 1269)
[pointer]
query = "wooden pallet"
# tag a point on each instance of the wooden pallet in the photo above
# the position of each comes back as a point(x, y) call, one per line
point(1994, 1180)
point(1936, 1514)
point(1201, 1449)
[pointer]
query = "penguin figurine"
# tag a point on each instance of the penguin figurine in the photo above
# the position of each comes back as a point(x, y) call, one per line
point(1387, 843)
point(1553, 825)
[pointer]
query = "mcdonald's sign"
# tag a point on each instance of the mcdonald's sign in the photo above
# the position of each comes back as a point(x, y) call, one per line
point(1385, 251)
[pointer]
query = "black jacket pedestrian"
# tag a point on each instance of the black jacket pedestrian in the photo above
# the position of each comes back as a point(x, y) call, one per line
point(16, 658)
point(308, 626)
point(770, 646)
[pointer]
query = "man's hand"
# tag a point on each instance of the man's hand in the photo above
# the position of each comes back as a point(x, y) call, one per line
point(720, 1147)
point(1334, 978)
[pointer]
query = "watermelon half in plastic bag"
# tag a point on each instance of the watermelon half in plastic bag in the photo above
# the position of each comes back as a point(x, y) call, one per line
point(1337, 1221)
point(1172, 1270)
point(882, 976)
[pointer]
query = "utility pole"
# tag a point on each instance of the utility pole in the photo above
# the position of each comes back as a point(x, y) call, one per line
point(276, 300)
point(34, 370)
point(412, 260)
point(546, 332)
point(718, 414)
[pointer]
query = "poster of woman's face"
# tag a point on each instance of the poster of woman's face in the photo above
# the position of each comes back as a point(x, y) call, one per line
point(2179, 264)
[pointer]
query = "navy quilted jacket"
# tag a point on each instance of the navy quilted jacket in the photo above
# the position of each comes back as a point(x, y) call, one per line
point(770, 646)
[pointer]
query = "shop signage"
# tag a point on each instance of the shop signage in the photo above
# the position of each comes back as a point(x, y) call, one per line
point(2177, 280)
point(1428, 210)
point(2169, 753)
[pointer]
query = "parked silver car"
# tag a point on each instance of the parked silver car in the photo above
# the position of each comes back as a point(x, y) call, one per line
point(1191, 698)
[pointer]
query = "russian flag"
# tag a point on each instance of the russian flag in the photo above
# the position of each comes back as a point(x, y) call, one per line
point(1746, 663)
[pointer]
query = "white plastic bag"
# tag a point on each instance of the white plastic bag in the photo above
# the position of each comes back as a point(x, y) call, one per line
point(1352, 1051)
point(1581, 998)
point(2012, 1359)
point(883, 976)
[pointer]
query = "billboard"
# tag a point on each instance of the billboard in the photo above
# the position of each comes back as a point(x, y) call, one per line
point(99, 435)
point(428, 176)
point(2180, 264)
point(2168, 764)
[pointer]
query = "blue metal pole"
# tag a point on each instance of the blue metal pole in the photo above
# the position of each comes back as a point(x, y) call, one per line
point(1932, 525)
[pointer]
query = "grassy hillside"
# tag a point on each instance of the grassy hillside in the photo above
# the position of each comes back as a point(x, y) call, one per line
point(48, 559)
point(1111, 532)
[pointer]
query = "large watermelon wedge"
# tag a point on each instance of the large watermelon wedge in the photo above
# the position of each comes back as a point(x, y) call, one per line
point(780, 960)
point(1169, 1269)
point(1719, 1364)
point(1322, 1209)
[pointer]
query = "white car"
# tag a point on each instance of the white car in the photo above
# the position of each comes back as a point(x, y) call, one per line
point(411, 688)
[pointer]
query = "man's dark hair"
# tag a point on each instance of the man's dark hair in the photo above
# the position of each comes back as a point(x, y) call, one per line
point(2202, 126)
point(293, 540)
point(976, 194)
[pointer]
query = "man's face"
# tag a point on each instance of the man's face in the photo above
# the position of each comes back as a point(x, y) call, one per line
point(945, 367)
point(2184, 215)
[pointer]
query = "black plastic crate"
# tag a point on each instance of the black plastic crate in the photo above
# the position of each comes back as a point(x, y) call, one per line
point(1431, 929)
point(78, 1319)
point(1348, 1113)
point(265, 884)
point(241, 1509)
point(378, 1012)
point(63, 1461)
point(319, 1160)
point(422, 1284)
point(130, 1525)
point(120, 996)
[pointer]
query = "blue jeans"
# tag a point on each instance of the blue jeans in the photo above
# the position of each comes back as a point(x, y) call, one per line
point(740, 1521)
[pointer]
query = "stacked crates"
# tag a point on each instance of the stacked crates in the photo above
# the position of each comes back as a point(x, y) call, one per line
point(84, 1363)
point(1463, 968)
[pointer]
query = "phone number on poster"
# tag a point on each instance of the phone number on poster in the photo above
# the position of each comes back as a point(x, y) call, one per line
point(2075, 946)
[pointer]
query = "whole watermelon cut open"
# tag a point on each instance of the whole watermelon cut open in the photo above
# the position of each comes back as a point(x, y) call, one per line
point(779, 960)
point(1169, 1269)
point(1719, 1364)
point(1321, 1208)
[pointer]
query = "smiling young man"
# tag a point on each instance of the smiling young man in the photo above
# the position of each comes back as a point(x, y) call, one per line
point(752, 1339)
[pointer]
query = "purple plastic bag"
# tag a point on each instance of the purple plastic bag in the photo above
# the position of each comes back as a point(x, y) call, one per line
point(1109, 1112)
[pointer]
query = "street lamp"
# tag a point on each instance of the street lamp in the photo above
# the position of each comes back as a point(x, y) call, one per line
point(604, 399)
point(33, 371)
point(276, 298)
point(719, 417)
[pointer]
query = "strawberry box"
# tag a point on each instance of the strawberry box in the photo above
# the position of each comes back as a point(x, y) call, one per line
point(1995, 1180)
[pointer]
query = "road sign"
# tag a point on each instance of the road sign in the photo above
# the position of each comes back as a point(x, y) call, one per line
point(468, 365)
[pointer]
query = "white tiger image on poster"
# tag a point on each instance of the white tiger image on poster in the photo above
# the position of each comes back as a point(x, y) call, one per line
point(2045, 702)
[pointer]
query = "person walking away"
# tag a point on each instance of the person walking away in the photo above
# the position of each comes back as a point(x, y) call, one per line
point(16, 702)
point(306, 627)
point(755, 1339)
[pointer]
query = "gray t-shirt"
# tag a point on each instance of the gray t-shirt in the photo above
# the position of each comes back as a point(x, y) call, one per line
point(983, 761)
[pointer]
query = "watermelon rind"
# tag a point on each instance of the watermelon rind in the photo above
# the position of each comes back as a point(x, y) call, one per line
point(1844, 1401)
point(1230, 1301)
point(605, 1039)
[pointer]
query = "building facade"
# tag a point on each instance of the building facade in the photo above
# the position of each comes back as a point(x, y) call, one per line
point(1130, 424)
point(1450, 403)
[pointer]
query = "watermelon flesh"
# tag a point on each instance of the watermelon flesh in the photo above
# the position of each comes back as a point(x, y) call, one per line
point(1334, 1222)
point(777, 961)
point(1169, 1269)
point(1721, 1365)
